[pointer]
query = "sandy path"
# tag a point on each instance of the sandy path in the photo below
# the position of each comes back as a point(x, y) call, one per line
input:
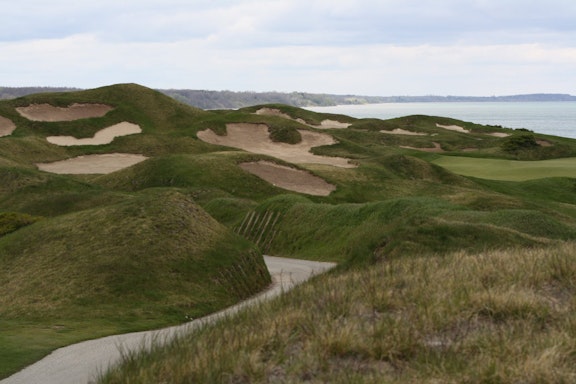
point(256, 139)
point(6, 126)
point(289, 178)
point(80, 363)
point(47, 112)
point(102, 137)
point(92, 164)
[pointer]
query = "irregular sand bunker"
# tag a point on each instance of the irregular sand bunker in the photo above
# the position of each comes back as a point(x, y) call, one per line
point(6, 126)
point(289, 178)
point(436, 148)
point(256, 139)
point(498, 134)
point(47, 112)
point(92, 164)
point(400, 131)
point(325, 124)
point(456, 128)
point(102, 137)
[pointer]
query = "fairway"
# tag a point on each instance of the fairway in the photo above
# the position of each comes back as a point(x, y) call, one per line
point(510, 170)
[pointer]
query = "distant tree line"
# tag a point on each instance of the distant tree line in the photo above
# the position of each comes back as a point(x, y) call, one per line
point(231, 100)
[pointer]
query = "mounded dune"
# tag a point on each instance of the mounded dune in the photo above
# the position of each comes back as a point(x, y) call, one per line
point(255, 138)
point(102, 137)
point(76, 111)
point(152, 254)
point(289, 178)
point(6, 126)
point(325, 124)
point(92, 164)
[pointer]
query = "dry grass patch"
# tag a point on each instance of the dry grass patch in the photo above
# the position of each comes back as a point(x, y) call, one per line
point(76, 111)
point(457, 318)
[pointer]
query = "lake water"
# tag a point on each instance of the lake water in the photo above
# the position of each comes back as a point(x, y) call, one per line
point(551, 118)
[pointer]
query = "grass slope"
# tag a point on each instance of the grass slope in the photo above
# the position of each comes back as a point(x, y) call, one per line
point(150, 261)
point(84, 256)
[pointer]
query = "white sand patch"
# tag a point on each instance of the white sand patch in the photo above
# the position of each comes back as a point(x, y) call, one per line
point(332, 124)
point(6, 126)
point(47, 112)
point(289, 178)
point(325, 124)
point(498, 134)
point(436, 148)
point(256, 139)
point(102, 137)
point(400, 131)
point(92, 164)
point(456, 128)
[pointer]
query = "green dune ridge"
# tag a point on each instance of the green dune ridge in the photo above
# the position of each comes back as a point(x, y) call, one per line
point(181, 234)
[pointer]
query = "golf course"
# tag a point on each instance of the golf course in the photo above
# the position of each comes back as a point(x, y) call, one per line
point(124, 210)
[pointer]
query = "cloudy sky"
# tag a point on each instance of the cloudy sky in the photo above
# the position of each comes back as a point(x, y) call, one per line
point(367, 47)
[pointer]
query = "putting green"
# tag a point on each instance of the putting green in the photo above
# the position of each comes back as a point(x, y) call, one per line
point(511, 170)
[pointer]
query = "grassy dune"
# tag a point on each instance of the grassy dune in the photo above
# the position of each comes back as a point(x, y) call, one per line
point(486, 317)
point(454, 266)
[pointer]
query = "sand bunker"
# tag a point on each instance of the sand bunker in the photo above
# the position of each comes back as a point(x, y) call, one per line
point(498, 134)
point(456, 128)
point(102, 137)
point(256, 139)
point(437, 148)
point(92, 164)
point(400, 131)
point(289, 178)
point(325, 124)
point(47, 112)
point(6, 126)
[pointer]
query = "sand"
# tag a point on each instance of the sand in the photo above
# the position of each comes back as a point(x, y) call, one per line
point(102, 137)
point(6, 126)
point(289, 178)
point(456, 128)
point(92, 164)
point(256, 139)
point(400, 131)
point(498, 134)
point(325, 124)
point(47, 112)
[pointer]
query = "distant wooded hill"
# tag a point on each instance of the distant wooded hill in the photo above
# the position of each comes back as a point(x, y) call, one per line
point(232, 100)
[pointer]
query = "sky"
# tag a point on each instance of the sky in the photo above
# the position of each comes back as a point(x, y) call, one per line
point(361, 47)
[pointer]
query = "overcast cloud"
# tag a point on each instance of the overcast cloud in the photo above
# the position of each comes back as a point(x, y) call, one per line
point(384, 47)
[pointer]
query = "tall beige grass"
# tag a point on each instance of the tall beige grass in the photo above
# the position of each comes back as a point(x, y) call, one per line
point(496, 317)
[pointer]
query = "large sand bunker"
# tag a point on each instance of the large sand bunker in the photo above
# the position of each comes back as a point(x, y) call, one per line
point(102, 137)
point(92, 164)
point(325, 124)
point(455, 128)
point(400, 131)
point(6, 126)
point(256, 139)
point(47, 112)
point(289, 178)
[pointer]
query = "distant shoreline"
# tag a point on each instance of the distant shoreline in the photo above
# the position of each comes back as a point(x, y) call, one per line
point(205, 99)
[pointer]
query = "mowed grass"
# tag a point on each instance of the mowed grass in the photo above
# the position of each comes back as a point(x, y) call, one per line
point(506, 316)
point(511, 170)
